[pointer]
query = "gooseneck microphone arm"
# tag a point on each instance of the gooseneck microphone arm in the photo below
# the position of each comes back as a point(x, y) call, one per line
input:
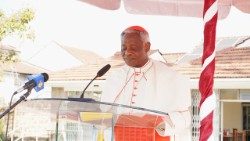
point(82, 95)
point(100, 73)
point(23, 97)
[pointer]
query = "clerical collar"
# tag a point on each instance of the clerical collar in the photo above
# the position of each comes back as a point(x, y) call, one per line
point(144, 68)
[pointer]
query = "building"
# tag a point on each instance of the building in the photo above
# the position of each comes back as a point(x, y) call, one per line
point(231, 84)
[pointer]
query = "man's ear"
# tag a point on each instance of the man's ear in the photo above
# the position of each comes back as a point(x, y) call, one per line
point(147, 46)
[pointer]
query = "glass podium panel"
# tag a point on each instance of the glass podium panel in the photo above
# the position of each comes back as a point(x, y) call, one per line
point(76, 119)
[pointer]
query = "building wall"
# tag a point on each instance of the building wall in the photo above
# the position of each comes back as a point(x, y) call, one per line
point(75, 89)
point(58, 92)
point(232, 112)
point(10, 82)
point(232, 116)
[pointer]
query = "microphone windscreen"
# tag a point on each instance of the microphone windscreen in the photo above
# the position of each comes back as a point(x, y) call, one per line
point(102, 71)
point(45, 76)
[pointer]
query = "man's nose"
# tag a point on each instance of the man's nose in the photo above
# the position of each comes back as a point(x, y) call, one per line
point(128, 53)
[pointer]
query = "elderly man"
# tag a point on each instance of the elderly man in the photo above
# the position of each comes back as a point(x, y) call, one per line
point(147, 83)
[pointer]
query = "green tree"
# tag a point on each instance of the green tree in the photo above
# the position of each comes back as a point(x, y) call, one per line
point(16, 23)
point(1, 130)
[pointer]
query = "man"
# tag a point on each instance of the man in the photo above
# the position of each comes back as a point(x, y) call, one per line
point(147, 83)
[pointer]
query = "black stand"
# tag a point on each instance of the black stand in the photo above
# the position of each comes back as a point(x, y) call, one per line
point(23, 97)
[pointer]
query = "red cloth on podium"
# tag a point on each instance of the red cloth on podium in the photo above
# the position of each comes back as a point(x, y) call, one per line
point(138, 128)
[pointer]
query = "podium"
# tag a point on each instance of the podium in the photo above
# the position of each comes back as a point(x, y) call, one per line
point(75, 119)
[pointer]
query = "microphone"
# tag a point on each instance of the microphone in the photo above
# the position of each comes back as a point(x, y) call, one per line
point(35, 81)
point(100, 73)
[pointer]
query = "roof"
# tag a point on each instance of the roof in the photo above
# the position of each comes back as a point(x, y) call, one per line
point(233, 63)
point(222, 44)
point(88, 72)
point(55, 53)
point(85, 72)
point(8, 48)
point(22, 67)
point(86, 57)
point(172, 58)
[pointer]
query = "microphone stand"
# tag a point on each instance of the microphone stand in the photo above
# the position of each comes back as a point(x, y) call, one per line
point(8, 116)
point(23, 97)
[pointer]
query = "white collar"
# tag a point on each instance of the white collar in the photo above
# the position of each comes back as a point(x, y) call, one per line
point(144, 68)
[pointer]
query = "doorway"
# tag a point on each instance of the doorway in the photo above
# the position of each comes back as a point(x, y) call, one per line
point(246, 119)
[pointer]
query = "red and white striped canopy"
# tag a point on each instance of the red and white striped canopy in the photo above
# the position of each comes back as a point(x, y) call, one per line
point(183, 8)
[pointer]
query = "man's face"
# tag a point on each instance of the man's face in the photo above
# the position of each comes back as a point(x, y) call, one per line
point(133, 50)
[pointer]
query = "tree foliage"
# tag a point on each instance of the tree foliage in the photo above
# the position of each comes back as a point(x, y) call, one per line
point(1, 130)
point(16, 23)
point(8, 56)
